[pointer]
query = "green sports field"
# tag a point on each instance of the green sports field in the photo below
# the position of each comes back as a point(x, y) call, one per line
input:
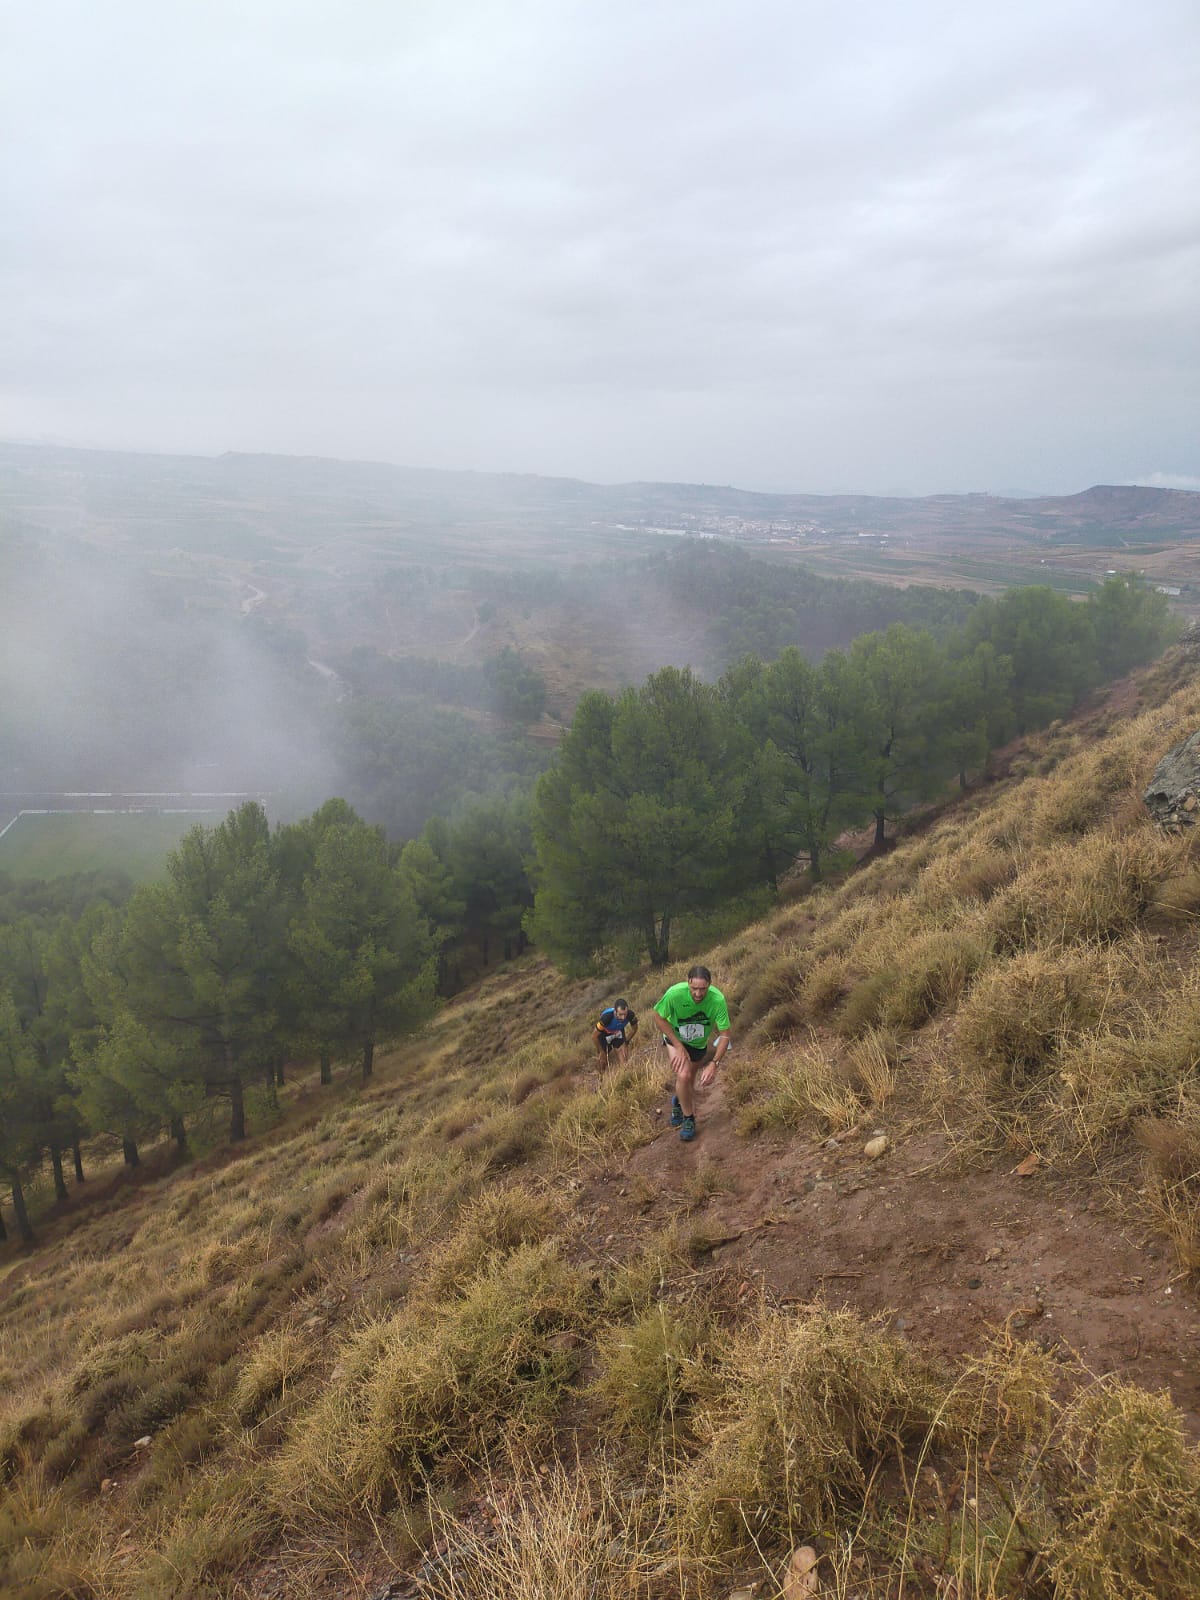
point(134, 843)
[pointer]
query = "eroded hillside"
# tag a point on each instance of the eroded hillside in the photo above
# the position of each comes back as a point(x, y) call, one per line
point(487, 1328)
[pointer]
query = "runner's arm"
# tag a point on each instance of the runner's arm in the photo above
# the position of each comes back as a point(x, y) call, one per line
point(665, 1028)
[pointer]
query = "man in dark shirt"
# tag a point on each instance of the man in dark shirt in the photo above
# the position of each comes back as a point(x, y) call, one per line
point(614, 1032)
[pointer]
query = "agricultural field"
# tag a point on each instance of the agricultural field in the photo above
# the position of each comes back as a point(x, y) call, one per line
point(133, 843)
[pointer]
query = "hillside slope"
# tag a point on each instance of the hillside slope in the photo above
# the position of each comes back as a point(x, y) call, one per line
point(967, 1363)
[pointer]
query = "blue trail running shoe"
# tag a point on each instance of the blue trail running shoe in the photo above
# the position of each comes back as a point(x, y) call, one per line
point(687, 1128)
point(676, 1113)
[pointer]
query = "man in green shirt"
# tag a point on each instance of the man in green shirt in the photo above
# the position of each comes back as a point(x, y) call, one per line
point(694, 1021)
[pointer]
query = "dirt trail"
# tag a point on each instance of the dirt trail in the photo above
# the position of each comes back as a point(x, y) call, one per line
point(947, 1256)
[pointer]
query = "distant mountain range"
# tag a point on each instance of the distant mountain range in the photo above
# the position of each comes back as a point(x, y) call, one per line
point(41, 483)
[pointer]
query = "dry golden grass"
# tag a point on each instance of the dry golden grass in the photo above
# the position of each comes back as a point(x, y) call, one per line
point(1172, 1147)
point(491, 1225)
point(1093, 888)
point(435, 1387)
point(270, 1368)
point(557, 1534)
point(871, 1063)
point(641, 1380)
point(792, 1422)
point(1130, 1527)
point(794, 1086)
point(1022, 1013)
point(918, 975)
point(614, 1118)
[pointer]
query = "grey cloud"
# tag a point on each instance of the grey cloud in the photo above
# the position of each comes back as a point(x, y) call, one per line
point(640, 240)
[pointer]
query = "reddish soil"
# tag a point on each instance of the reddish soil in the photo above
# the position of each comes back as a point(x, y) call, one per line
point(946, 1256)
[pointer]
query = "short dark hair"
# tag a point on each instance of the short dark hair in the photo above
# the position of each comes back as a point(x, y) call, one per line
point(700, 972)
point(617, 1004)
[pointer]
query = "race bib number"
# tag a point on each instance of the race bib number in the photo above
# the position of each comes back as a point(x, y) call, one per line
point(691, 1032)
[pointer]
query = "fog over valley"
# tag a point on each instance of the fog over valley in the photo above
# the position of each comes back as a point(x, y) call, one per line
point(295, 628)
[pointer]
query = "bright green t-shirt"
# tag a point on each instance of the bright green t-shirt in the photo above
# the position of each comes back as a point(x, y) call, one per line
point(694, 1024)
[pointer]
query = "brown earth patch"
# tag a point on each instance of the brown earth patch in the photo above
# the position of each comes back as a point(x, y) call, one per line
point(946, 1256)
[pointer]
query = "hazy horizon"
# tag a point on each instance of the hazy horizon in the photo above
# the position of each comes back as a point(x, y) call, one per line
point(998, 492)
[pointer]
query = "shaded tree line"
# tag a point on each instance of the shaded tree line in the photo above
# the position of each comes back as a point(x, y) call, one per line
point(122, 1011)
point(760, 607)
point(674, 796)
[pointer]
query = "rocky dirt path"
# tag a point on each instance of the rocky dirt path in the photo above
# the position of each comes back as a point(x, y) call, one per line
point(947, 1256)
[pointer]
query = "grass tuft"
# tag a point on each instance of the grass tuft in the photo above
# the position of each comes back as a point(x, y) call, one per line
point(797, 1415)
point(1130, 1518)
point(795, 1086)
point(642, 1378)
point(438, 1385)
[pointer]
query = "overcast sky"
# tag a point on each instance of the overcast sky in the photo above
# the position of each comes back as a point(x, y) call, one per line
point(873, 246)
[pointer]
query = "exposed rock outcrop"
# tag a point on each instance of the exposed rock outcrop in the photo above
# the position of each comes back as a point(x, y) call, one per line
point(1173, 795)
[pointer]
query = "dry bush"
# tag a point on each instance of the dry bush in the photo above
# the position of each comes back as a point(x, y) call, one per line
point(871, 1062)
point(1096, 889)
point(558, 1534)
point(222, 1521)
point(271, 1365)
point(825, 986)
point(1140, 1066)
point(1022, 1012)
point(780, 1023)
point(1105, 1081)
point(1128, 1499)
point(797, 1084)
point(538, 1063)
point(104, 1358)
point(973, 870)
point(641, 1380)
point(493, 1224)
point(615, 1117)
point(148, 1411)
point(1003, 1397)
point(927, 974)
point(437, 1384)
point(36, 1558)
point(1069, 1053)
point(407, 1202)
point(776, 986)
point(1083, 789)
point(187, 1440)
point(707, 1178)
point(523, 1085)
point(791, 1422)
point(851, 915)
point(1174, 901)
point(27, 1430)
point(639, 1282)
point(508, 1138)
point(863, 1004)
point(1173, 1180)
